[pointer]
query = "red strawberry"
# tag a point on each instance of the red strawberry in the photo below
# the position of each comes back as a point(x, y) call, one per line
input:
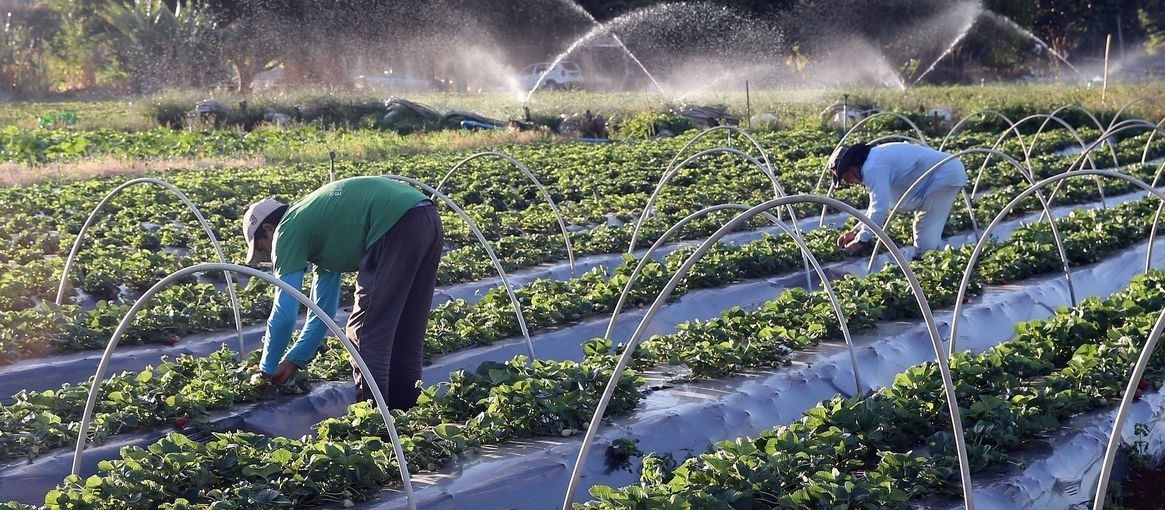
point(171, 340)
point(1144, 385)
point(180, 422)
point(966, 299)
point(1137, 395)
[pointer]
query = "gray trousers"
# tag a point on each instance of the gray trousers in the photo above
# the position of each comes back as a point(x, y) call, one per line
point(394, 291)
point(930, 219)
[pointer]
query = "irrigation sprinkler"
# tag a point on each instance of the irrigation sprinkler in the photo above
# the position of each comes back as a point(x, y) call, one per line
point(924, 306)
point(103, 365)
point(807, 255)
point(529, 175)
point(488, 250)
point(1035, 188)
point(1027, 176)
point(230, 284)
point(331, 166)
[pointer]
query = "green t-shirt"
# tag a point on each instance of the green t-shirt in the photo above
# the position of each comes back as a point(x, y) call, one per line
point(333, 225)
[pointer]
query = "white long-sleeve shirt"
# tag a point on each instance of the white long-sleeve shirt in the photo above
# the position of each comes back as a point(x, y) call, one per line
point(891, 168)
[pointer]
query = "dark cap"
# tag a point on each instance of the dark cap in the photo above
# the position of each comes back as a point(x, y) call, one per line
point(845, 157)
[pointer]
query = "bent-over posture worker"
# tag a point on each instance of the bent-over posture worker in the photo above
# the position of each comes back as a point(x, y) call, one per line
point(391, 236)
point(888, 171)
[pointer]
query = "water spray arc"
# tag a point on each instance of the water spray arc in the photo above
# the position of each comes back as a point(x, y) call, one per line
point(974, 18)
point(598, 30)
point(1009, 23)
point(976, 14)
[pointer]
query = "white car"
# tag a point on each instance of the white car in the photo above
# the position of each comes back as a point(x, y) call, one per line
point(564, 75)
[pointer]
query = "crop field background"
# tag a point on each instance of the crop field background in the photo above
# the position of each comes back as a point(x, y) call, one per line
point(618, 322)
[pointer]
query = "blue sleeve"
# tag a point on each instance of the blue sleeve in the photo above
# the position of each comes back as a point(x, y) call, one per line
point(325, 291)
point(284, 311)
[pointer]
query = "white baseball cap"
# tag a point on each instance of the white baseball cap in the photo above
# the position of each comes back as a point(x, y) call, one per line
point(253, 219)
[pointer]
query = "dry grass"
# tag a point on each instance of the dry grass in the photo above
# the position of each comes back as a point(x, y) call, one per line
point(15, 174)
point(361, 148)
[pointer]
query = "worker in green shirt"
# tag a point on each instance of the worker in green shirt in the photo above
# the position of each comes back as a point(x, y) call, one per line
point(391, 236)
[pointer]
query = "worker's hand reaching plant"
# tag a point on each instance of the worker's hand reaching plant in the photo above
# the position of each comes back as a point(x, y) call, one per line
point(853, 247)
point(284, 373)
point(844, 240)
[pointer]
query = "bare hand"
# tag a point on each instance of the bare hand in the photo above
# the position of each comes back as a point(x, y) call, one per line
point(284, 373)
point(854, 247)
point(846, 238)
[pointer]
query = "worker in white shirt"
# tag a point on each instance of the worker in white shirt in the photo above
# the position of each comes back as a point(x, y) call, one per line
point(888, 171)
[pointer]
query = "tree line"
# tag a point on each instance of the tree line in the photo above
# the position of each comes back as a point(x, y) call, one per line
point(139, 46)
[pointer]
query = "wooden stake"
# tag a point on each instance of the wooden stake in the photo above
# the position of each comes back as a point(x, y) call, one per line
point(1104, 88)
point(747, 104)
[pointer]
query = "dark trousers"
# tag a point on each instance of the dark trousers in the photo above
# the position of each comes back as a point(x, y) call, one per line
point(394, 291)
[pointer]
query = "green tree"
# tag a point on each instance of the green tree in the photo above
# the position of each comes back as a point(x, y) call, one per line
point(162, 47)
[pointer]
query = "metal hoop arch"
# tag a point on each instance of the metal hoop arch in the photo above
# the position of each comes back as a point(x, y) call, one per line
point(1027, 149)
point(633, 342)
point(1149, 142)
point(897, 138)
point(1121, 127)
point(488, 250)
point(1100, 127)
point(730, 130)
point(1122, 413)
point(807, 255)
point(334, 328)
point(777, 190)
point(537, 183)
point(230, 284)
point(824, 171)
point(968, 117)
point(978, 251)
point(1043, 202)
point(1147, 99)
